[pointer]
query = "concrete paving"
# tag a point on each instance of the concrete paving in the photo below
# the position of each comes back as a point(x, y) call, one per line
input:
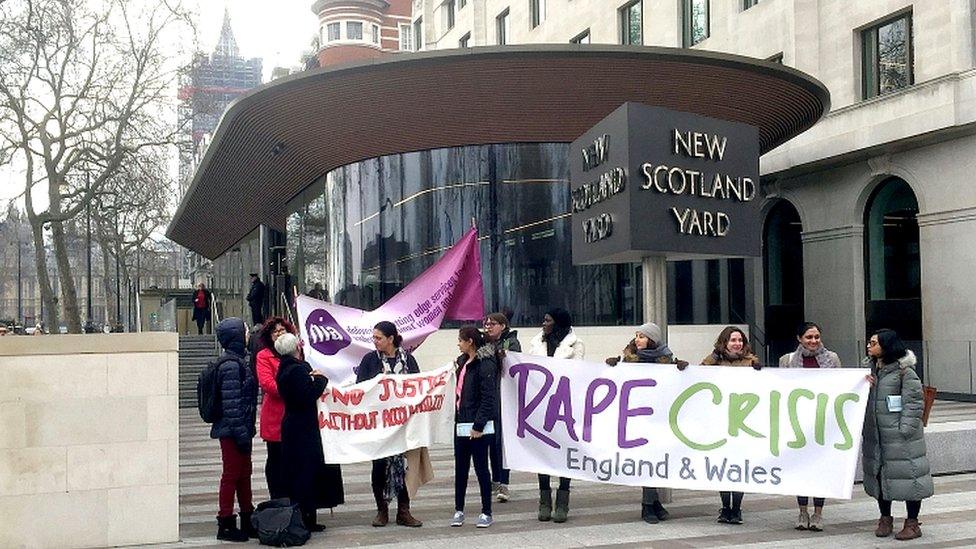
point(600, 515)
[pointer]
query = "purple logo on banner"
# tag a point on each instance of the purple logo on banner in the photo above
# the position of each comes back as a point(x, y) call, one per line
point(325, 334)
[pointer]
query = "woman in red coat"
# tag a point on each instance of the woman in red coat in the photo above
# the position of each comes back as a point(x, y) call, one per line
point(272, 407)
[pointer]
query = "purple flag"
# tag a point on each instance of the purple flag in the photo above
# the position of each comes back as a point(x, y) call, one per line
point(337, 337)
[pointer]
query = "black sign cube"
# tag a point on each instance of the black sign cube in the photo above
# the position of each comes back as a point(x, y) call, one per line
point(650, 181)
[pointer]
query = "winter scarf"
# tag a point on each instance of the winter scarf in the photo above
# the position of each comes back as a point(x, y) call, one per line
point(651, 355)
point(824, 359)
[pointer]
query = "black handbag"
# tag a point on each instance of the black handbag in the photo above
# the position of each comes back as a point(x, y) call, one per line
point(279, 523)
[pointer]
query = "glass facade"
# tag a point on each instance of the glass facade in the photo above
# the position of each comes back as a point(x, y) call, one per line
point(367, 229)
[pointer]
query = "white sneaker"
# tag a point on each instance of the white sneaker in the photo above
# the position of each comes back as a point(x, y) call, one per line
point(458, 519)
point(484, 521)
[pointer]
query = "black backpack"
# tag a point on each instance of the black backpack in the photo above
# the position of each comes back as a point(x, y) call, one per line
point(208, 394)
point(279, 523)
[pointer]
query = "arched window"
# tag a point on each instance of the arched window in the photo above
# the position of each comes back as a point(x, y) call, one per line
point(891, 245)
point(783, 270)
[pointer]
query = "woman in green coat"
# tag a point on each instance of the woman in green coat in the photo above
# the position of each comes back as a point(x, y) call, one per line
point(895, 465)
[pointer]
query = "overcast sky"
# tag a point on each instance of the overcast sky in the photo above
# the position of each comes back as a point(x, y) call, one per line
point(277, 31)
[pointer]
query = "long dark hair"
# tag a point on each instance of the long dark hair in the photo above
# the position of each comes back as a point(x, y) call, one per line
point(269, 326)
point(390, 330)
point(722, 342)
point(892, 347)
point(473, 334)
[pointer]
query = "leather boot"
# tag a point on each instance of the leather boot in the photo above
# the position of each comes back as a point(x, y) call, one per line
point(911, 530)
point(246, 526)
point(310, 519)
point(382, 509)
point(403, 517)
point(545, 505)
point(227, 529)
point(562, 506)
point(884, 527)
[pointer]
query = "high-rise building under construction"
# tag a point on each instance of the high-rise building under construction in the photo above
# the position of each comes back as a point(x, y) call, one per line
point(206, 88)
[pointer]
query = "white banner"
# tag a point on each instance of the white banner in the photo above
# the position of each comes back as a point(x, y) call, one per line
point(775, 431)
point(387, 415)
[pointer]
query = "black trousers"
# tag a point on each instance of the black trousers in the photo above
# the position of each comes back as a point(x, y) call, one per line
point(499, 474)
point(803, 501)
point(274, 471)
point(257, 316)
point(467, 450)
point(200, 324)
point(731, 500)
point(545, 483)
point(911, 507)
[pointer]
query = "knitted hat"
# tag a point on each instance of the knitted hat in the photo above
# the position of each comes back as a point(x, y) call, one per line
point(286, 344)
point(652, 331)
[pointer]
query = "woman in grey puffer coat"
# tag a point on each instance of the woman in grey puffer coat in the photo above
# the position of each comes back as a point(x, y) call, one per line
point(894, 462)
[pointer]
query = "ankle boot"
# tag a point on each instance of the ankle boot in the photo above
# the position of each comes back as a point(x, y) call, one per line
point(562, 506)
point(382, 508)
point(311, 522)
point(911, 530)
point(885, 525)
point(404, 518)
point(227, 529)
point(246, 526)
point(545, 505)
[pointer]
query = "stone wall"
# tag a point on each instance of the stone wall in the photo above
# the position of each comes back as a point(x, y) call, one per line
point(89, 440)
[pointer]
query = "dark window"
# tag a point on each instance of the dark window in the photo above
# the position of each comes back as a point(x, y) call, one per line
point(892, 249)
point(694, 17)
point(631, 24)
point(354, 30)
point(418, 34)
point(449, 14)
point(375, 29)
point(778, 58)
point(537, 12)
point(581, 38)
point(783, 277)
point(886, 60)
point(746, 4)
point(464, 41)
point(501, 28)
point(462, 3)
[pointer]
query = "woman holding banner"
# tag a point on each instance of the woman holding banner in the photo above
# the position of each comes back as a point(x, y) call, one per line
point(731, 349)
point(272, 407)
point(476, 370)
point(502, 339)
point(810, 353)
point(300, 387)
point(895, 463)
point(557, 340)
point(648, 346)
point(388, 477)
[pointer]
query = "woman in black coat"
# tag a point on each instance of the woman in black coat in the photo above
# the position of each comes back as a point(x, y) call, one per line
point(477, 368)
point(300, 387)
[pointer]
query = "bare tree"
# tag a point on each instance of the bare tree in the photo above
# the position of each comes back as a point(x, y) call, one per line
point(87, 86)
point(134, 205)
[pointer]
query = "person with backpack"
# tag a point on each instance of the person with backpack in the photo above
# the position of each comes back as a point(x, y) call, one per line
point(236, 399)
point(895, 464)
point(300, 387)
point(388, 477)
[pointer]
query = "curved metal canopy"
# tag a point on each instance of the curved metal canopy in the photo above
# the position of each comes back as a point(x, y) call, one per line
point(275, 140)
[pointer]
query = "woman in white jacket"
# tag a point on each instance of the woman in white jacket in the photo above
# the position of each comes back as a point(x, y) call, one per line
point(557, 340)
